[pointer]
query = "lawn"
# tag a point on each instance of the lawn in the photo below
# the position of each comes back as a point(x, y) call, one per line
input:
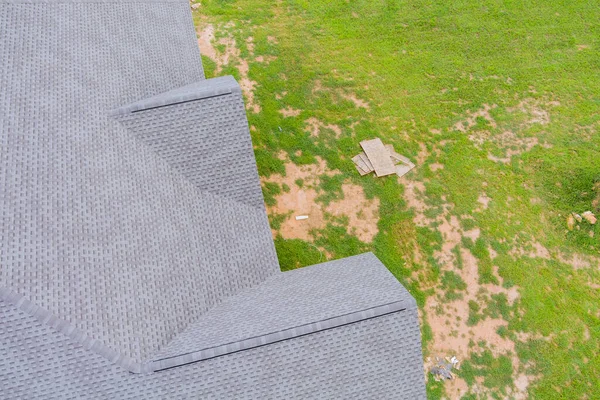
point(498, 104)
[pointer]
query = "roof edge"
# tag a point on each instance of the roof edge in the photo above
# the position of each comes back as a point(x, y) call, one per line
point(278, 336)
point(203, 89)
point(67, 329)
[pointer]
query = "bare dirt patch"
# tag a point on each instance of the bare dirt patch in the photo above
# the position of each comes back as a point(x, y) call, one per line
point(456, 388)
point(435, 166)
point(318, 87)
point(471, 120)
point(508, 141)
point(207, 42)
point(362, 213)
point(537, 250)
point(290, 112)
point(532, 108)
point(359, 103)
point(596, 201)
point(250, 45)
point(448, 317)
point(531, 250)
point(315, 127)
point(265, 59)
point(579, 261)
point(484, 200)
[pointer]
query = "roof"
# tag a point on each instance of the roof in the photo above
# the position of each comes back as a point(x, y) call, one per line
point(371, 359)
point(133, 235)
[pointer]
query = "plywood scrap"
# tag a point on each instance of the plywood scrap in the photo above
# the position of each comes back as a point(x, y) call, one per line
point(361, 171)
point(398, 157)
point(361, 166)
point(379, 157)
point(360, 163)
point(402, 169)
point(367, 162)
point(382, 159)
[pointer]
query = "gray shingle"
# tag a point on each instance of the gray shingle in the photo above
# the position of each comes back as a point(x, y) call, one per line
point(371, 359)
point(128, 234)
point(95, 226)
point(201, 130)
point(333, 293)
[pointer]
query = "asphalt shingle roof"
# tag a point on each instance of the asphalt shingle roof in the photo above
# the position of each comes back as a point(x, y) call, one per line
point(133, 236)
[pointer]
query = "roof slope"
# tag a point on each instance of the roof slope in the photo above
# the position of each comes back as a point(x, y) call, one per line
point(133, 235)
point(290, 304)
point(96, 227)
point(180, 126)
point(370, 359)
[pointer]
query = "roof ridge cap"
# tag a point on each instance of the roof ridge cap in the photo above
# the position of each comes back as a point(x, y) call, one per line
point(69, 330)
point(202, 89)
point(278, 336)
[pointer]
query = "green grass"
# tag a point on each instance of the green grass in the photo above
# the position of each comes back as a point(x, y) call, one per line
point(422, 67)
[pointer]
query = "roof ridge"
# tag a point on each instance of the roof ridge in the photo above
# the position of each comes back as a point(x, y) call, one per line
point(174, 125)
point(69, 330)
point(202, 89)
point(278, 336)
point(226, 329)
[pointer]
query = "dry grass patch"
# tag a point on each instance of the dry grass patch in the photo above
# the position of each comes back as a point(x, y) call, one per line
point(290, 112)
point(314, 127)
point(207, 41)
point(362, 213)
point(471, 120)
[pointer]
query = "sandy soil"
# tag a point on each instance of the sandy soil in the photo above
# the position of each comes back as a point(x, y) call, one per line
point(448, 319)
point(314, 127)
point(471, 120)
point(206, 42)
point(359, 103)
point(362, 213)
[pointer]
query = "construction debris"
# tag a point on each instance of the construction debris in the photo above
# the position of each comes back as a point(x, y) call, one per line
point(574, 218)
point(443, 368)
point(300, 217)
point(381, 158)
point(570, 222)
point(589, 217)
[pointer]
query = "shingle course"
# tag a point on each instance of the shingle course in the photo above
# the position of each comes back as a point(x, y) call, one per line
point(123, 222)
point(95, 226)
point(202, 132)
point(333, 364)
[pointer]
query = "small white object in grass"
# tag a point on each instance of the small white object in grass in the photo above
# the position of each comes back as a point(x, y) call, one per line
point(300, 217)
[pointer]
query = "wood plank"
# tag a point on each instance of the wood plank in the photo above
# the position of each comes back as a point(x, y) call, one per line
point(367, 162)
point(398, 157)
point(379, 157)
point(402, 169)
point(361, 171)
point(358, 161)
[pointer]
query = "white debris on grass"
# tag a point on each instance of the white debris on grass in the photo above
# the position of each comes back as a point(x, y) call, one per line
point(443, 368)
point(589, 217)
point(574, 219)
